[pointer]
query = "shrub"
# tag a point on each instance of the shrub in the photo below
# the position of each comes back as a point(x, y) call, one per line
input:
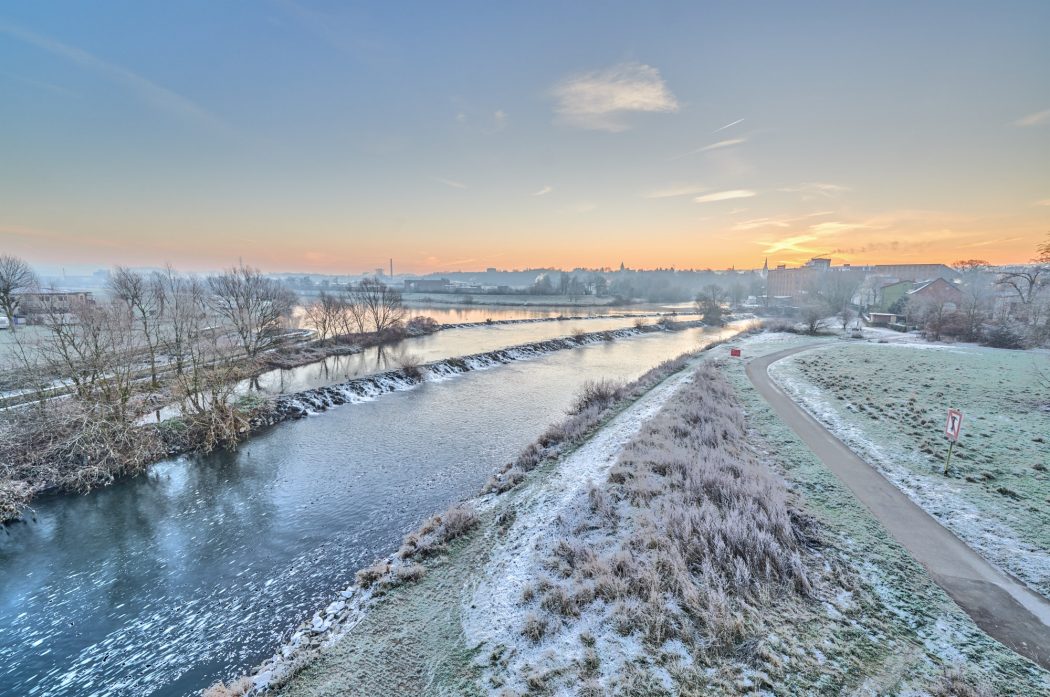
point(1005, 337)
point(457, 521)
point(411, 366)
point(535, 626)
point(370, 574)
point(779, 325)
point(436, 532)
point(237, 688)
point(418, 326)
point(596, 393)
point(409, 573)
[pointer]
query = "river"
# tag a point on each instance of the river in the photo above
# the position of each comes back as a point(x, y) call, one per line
point(161, 584)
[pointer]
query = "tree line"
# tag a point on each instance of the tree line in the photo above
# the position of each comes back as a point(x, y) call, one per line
point(93, 370)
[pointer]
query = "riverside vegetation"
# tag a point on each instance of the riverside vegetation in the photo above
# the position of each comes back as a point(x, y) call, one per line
point(80, 388)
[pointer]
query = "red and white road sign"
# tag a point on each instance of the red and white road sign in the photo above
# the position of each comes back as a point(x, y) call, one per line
point(953, 425)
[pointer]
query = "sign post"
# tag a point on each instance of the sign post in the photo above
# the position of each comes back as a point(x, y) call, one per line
point(951, 429)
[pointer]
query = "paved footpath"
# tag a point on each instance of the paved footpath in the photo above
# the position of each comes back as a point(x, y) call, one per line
point(1002, 606)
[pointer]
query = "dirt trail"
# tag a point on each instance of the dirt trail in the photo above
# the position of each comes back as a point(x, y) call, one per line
point(1000, 605)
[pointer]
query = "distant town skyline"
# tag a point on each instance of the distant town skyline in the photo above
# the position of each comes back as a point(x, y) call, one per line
point(312, 137)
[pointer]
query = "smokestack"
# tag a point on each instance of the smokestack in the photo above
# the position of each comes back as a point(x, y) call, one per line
point(391, 268)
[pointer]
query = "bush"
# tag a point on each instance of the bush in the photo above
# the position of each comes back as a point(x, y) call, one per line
point(409, 573)
point(779, 325)
point(596, 393)
point(1003, 336)
point(411, 366)
point(418, 326)
point(237, 688)
point(370, 574)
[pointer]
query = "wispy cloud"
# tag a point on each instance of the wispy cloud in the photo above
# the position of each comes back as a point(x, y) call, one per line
point(160, 98)
point(817, 189)
point(499, 118)
point(728, 125)
point(788, 244)
point(833, 227)
point(1036, 119)
point(544, 191)
point(451, 182)
point(676, 190)
point(725, 196)
point(713, 146)
point(723, 144)
point(601, 100)
point(779, 222)
point(1044, 202)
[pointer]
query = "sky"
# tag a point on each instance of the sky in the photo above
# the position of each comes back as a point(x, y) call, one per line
point(315, 136)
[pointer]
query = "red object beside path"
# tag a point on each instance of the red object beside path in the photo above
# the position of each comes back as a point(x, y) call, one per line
point(734, 352)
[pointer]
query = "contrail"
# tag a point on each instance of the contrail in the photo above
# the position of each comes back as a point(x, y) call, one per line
point(728, 125)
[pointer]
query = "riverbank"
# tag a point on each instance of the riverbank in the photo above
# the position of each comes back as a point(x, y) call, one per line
point(352, 605)
point(870, 620)
point(16, 492)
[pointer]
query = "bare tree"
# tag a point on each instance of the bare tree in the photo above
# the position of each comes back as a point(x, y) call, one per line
point(92, 346)
point(354, 317)
point(977, 294)
point(206, 386)
point(836, 288)
point(184, 306)
point(327, 315)
point(709, 303)
point(380, 304)
point(846, 316)
point(814, 316)
point(253, 306)
point(15, 277)
point(1028, 281)
point(144, 297)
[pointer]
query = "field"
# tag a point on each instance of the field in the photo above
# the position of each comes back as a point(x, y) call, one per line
point(507, 610)
point(888, 402)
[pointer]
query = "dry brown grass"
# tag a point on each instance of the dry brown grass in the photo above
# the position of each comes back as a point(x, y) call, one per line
point(237, 688)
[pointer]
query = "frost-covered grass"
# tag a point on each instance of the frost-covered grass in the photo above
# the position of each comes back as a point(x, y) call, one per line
point(897, 632)
point(483, 620)
point(888, 402)
point(662, 571)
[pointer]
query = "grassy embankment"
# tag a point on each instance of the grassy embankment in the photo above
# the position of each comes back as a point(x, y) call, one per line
point(769, 576)
point(888, 403)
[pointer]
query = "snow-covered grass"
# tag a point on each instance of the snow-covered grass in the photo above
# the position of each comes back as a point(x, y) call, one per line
point(888, 402)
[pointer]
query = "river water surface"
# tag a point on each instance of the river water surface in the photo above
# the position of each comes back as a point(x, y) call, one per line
point(164, 583)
